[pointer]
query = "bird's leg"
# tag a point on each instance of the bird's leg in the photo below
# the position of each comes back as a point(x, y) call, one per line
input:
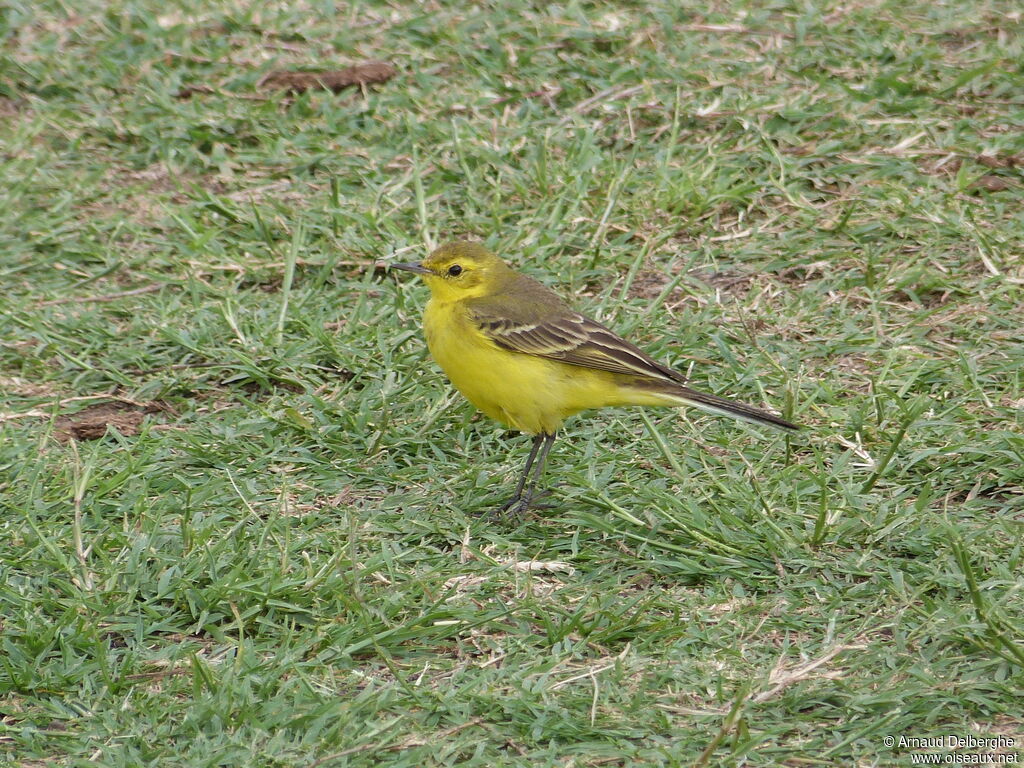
point(520, 501)
point(518, 495)
point(534, 447)
point(538, 472)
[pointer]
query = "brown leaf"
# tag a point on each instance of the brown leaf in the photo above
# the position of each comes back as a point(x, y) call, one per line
point(1000, 161)
point(992, 183)
point(91, 423)
point(367, 73)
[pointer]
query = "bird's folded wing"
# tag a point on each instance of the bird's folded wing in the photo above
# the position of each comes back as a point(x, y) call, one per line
point(573, 339)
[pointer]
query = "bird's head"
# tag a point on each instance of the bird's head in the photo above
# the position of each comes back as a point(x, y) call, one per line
point(459, 270)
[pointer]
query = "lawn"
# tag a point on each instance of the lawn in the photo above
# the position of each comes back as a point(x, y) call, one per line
point(243, 514)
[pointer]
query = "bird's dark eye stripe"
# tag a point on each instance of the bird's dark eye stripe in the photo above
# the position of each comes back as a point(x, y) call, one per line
point(454, 270)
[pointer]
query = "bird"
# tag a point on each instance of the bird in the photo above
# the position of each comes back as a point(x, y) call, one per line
point(519, 353)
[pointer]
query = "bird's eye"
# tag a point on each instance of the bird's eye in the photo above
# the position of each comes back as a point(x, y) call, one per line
point(454, 270)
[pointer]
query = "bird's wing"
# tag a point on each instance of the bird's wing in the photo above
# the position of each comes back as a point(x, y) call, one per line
point(571, 338)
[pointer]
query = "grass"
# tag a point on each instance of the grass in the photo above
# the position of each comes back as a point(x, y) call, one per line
point(276, 556)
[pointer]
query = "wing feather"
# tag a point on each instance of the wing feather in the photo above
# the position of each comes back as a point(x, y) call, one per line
point(573, 339)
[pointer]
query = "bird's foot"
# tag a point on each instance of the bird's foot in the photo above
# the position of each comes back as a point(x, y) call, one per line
point(515, 508)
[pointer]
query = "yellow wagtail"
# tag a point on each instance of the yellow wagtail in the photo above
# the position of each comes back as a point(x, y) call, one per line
point(521, 355)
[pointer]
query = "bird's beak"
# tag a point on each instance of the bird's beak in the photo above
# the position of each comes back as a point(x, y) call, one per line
point(412, 268)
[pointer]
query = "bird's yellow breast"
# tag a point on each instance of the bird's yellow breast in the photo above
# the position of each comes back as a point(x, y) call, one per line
point(526, 392)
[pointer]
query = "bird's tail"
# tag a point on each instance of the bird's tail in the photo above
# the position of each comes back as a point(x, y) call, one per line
point(670, 393)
